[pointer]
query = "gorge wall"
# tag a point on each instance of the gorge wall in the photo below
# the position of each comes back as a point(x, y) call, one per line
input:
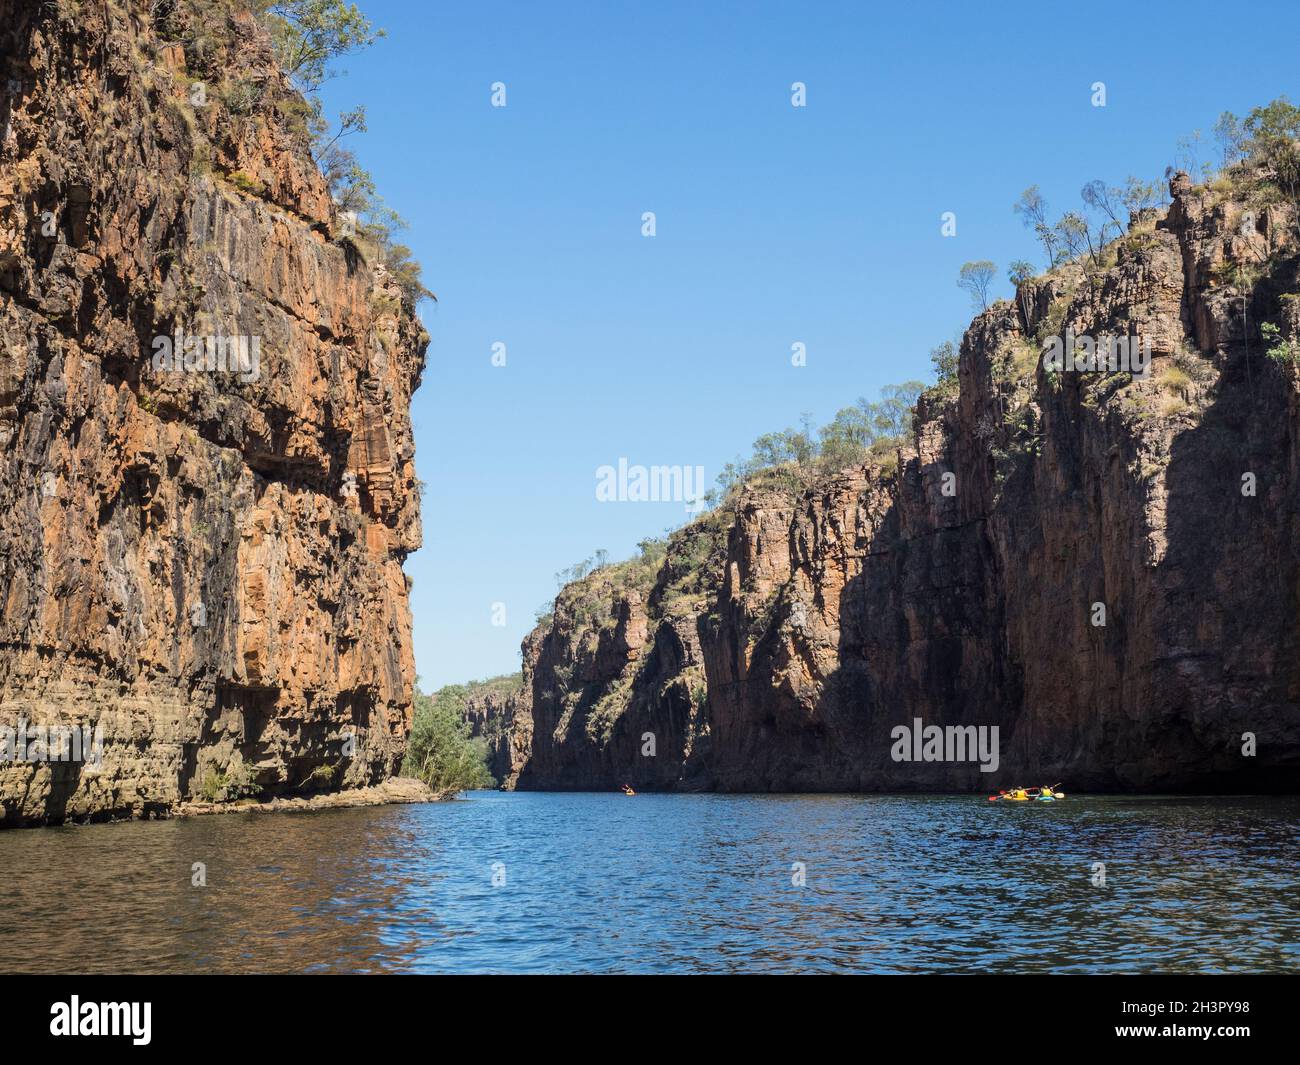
point(785, 634)
point(205, 564)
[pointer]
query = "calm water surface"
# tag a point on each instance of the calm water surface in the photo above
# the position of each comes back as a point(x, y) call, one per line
point(668, 883)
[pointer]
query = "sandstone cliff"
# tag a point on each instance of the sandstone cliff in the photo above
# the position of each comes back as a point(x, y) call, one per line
point(495, 714)
point(786, 634)
point(205, 564)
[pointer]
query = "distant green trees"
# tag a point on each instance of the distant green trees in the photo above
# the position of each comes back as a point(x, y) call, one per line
point(855, 433)
point(580, 569)
point(441, 751)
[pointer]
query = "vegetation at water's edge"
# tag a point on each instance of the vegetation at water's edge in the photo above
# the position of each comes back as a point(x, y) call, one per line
point(441, 752)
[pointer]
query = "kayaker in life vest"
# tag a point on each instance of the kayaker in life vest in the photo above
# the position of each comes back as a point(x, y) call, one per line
point(1020, 793)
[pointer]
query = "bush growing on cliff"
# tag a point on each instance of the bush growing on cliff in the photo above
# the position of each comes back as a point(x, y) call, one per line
point(1283, 351)
point(944, 360)
point(441, 751)
point(236, 781)
point(590, 590)
point(199, 26)
point(308, 35)
point(379, 225)
point(694, 560)
point(653, 549)
point(856, 434)
point(1274, 146)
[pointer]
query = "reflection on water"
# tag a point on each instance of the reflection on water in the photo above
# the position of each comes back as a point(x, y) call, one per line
point(668, 883)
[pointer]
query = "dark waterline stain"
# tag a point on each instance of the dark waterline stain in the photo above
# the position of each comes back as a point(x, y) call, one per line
point(668, 883)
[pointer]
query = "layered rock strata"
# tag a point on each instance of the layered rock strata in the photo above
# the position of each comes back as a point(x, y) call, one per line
point(207, 483)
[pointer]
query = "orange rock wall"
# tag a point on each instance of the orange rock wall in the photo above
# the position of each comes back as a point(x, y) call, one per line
point(206, 564)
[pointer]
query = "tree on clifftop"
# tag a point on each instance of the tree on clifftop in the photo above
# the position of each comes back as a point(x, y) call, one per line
point(1274, 133)
point(1018, 273)
point(1032, 209)
point(309, 34)
point(974, 278)
point(944, 359)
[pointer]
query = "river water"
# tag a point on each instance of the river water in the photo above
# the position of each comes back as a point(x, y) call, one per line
point(525, 882)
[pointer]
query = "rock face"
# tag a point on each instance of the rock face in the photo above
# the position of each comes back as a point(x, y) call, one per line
point(500, 720)
point(205, 563)
point(1103, 567)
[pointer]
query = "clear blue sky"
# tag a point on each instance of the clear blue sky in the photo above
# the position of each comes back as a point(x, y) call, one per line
point(774, 225)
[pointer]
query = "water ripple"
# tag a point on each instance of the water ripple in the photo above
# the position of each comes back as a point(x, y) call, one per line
point(668, 883)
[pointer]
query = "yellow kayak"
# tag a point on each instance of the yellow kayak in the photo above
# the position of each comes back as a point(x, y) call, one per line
point(1024, 795)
